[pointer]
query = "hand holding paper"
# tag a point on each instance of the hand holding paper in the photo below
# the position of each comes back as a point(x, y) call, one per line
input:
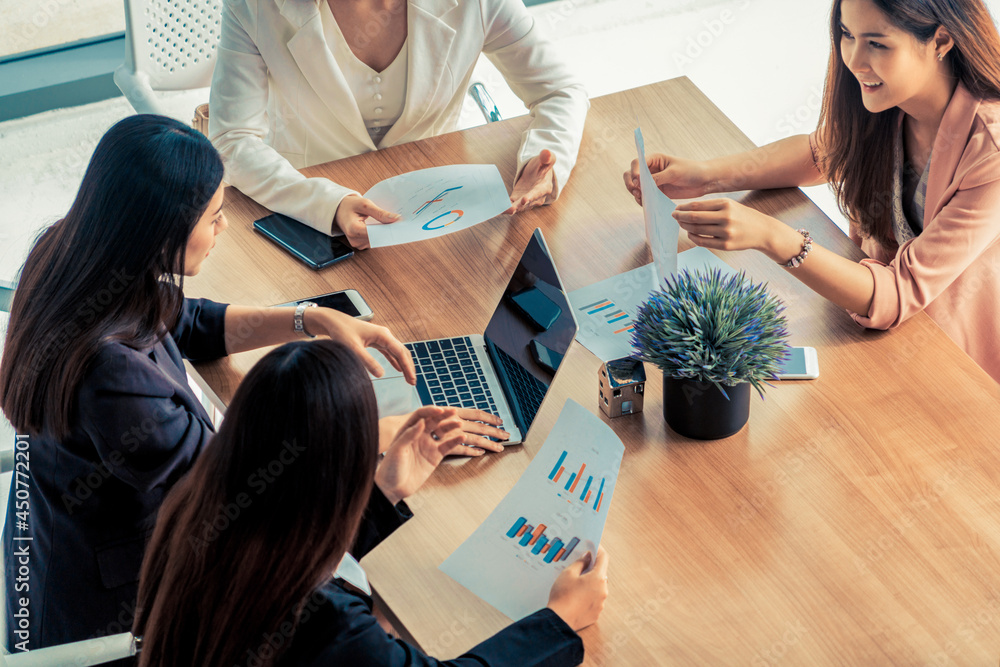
point(678, 178)
point(352, 214)
point(661, 229)
point(580, 590)
point(437, 201)
point(546, 523)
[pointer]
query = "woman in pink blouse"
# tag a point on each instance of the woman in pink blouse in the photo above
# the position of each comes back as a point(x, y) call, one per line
point(908, 138)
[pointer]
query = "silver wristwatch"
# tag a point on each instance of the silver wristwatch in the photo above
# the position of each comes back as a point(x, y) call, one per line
point(299, 325)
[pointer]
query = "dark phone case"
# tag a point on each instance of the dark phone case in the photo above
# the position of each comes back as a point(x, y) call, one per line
point(537, 307)
point(544, 357)
point(315, 249)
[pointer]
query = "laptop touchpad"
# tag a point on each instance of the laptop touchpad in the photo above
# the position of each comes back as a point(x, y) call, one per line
point(392, 393)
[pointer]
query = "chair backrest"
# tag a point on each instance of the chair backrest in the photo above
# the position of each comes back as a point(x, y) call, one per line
point(6, 430)
point(6, 299)
point(172, 42)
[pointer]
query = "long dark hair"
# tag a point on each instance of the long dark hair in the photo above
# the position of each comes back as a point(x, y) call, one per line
point(265, 514)
point(857, 145)
point(105, 272)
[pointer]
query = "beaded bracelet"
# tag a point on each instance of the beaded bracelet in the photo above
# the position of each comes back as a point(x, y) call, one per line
point(807, 245)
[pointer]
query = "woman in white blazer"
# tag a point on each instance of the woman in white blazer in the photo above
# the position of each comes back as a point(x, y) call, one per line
point(301, 82)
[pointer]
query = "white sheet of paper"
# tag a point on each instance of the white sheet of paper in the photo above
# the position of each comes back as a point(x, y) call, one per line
point(662, 230)
point(437, 201)
point(560, 503)
point(606, 310)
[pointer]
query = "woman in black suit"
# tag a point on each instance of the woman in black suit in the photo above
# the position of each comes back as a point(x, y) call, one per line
point(92, 371)
point(242, 571)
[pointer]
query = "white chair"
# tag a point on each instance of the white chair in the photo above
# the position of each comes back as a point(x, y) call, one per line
point(6, 467)
point(169, 45)
point(6, 297)
point(79, 654)
point(487, 106)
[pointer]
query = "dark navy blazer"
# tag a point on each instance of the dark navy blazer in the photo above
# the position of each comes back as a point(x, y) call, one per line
point(337, 626)
point(137, 428)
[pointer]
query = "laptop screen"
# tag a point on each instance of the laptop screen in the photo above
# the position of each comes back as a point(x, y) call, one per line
point(530, 331)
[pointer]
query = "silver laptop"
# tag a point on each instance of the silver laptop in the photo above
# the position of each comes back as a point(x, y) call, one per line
point(506, 370)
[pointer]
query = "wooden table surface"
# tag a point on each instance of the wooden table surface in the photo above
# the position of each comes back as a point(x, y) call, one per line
point(855, 520)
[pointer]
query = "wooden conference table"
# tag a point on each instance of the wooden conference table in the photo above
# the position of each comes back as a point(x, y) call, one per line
point(855, 520)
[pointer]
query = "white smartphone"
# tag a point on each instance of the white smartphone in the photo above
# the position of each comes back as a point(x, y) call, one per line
point(347, 301)
point(803, 364)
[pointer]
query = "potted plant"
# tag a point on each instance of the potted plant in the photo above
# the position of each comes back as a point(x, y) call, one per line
point(713, 337)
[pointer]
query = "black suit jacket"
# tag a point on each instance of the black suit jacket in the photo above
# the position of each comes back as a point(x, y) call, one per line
point(337, 626)
point(137, 428)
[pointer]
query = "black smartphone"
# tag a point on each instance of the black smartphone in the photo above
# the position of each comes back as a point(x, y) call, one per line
point(546, 358)
point(537, 307)
point(315, 249)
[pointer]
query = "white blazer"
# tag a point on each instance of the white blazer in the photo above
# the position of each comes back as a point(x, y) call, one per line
point(279, 102)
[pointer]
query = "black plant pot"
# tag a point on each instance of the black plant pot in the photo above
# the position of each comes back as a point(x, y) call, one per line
point(699, 410)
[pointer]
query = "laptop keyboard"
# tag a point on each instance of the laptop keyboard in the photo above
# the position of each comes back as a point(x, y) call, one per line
point(448, 373)
point(529, 390)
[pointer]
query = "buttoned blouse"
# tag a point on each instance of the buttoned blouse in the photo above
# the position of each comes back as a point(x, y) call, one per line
point(380, 96)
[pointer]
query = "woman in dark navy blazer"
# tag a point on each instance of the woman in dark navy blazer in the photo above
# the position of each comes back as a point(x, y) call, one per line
point(92, 372)
point(248, 572)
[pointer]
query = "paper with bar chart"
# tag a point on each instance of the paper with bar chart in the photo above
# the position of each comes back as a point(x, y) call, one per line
point(437, 201)
point(606, 310)
point(553, 516)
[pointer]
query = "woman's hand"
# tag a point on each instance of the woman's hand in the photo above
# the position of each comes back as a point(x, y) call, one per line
point(430, 434)
point(579, 598)
point(351, 215)
point(358, 335)
point(724, 224)
point(478, 426)
point(535, 183)
point(676, 178)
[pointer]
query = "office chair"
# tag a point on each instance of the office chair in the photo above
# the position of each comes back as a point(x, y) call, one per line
point(6, 468)
point(6, 298)
point(169, 45)
point(485, 103)
point(6, 432)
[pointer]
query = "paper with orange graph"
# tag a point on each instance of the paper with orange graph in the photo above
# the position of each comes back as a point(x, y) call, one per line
point(437, 201)
point(553, 516)
point(606, 310)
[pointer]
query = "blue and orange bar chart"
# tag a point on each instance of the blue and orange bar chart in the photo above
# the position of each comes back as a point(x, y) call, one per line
point(574, 480)
point(534, 536)
point(614, 315)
